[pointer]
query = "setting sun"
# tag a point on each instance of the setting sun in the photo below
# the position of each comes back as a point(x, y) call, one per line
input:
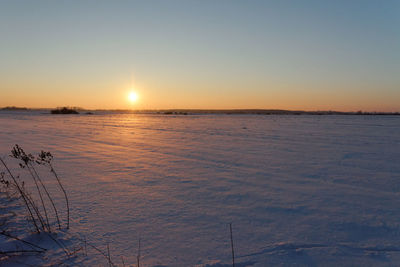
point(133, 97)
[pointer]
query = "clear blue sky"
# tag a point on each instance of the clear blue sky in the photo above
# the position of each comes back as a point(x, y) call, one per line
point(342, 55)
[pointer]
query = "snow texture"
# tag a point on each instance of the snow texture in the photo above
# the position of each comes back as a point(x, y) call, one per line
point(298, 190)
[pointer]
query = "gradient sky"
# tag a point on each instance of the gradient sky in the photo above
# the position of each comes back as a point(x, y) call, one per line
point(311, 55)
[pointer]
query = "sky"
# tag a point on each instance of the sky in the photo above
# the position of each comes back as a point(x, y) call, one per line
point(309, 55)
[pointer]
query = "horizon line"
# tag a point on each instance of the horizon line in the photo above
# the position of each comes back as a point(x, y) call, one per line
point(208, 110)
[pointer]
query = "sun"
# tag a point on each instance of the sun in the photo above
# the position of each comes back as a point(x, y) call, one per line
point(133, 96)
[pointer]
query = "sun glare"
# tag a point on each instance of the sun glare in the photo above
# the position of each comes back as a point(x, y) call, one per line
point(133, 97)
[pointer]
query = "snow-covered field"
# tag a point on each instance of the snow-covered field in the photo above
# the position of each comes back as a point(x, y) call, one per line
point(299, 190)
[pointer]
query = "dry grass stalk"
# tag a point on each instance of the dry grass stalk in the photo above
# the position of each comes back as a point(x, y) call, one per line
point(233, 251)
point(23, 196)
point(138, 254)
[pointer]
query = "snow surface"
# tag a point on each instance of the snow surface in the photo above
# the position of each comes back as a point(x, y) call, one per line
point(299, 190)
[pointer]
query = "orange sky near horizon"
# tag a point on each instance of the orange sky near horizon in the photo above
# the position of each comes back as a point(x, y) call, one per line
point(160, 96)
